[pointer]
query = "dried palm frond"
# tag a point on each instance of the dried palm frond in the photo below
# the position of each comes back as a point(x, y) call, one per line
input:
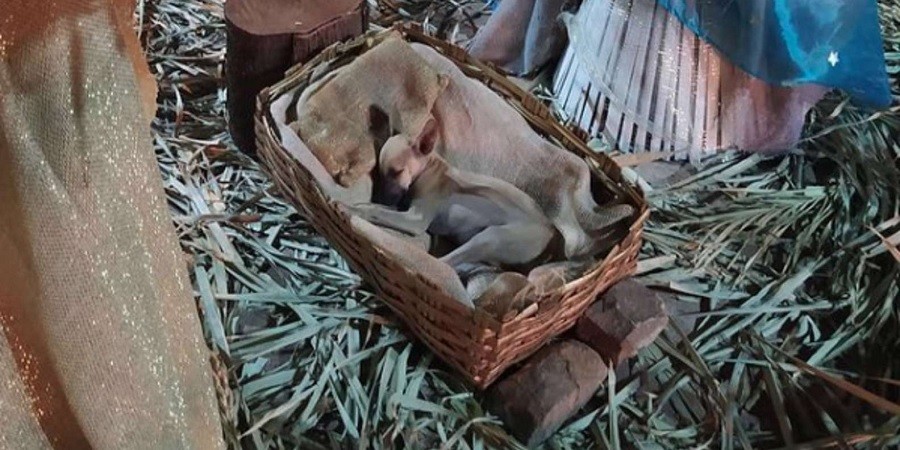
point(782, 261)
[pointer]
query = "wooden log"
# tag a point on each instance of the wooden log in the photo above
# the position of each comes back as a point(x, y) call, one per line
point(267, 37)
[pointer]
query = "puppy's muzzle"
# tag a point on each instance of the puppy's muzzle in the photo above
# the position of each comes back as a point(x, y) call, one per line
point(388, 193)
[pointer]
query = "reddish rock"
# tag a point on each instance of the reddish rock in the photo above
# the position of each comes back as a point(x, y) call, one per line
point(626, 319)
point(553, 385)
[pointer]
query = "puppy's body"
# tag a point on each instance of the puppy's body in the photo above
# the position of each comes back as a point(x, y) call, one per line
point(492, 221)
point(483, 134)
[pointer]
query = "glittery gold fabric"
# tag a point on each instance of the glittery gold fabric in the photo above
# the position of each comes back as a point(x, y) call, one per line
point(101, 346)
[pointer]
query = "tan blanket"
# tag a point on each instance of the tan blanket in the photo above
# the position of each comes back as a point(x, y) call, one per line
point(334, 116)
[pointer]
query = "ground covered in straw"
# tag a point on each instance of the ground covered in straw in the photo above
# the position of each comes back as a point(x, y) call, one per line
point(784, 270)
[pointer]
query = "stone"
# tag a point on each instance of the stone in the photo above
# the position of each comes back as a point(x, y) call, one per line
point(626, 319)
point(553, 385)
point(682, 313)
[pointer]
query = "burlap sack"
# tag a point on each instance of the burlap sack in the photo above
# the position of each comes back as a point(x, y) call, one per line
point(101, 345)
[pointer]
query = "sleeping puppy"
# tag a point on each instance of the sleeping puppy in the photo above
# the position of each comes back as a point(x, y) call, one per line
point(482, 133)
point(492, 221)
point(358, 192)
point(410, 251)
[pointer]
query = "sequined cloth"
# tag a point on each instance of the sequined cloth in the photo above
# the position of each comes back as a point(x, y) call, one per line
point(832, 43)
point(101, 346)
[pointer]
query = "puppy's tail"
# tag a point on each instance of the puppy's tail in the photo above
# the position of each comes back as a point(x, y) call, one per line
point(604, 217)
point(607, 226)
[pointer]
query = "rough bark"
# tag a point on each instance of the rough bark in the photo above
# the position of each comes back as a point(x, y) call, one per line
point(267, 37)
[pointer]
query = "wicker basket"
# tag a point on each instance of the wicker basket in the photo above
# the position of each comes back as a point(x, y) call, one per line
point(477, 344)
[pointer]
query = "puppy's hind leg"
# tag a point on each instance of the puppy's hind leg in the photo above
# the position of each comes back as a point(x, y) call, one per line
point(612, 228)
point(503, 245)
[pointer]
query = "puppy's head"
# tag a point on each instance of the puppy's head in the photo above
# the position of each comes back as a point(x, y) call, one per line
point(402, 160)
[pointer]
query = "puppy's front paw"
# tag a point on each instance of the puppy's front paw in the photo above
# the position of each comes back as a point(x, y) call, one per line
point(359, 207)
point(368, 211)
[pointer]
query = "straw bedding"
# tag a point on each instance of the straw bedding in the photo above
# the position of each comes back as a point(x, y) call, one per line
point(791, 261)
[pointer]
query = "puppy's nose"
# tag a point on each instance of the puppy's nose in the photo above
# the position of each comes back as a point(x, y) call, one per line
point(394, 195)
point(388, 194)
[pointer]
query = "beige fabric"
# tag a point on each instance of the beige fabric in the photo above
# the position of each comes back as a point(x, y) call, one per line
point(413, 257)
point(20, 427)
point(101, 345)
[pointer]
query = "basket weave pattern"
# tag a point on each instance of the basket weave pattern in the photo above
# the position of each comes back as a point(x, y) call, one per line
point(479, 345)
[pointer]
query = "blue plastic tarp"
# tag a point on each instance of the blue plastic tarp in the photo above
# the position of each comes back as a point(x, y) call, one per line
point(834, 43)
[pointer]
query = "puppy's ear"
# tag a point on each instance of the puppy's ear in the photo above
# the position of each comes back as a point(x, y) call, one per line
point(428, 138)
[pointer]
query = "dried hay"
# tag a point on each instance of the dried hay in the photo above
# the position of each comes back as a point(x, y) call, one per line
point(789, 260)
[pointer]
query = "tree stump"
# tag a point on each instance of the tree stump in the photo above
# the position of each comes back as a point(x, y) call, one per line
point(267, 37)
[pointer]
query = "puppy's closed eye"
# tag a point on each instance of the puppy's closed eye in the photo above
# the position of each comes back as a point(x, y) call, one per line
point(394, 172)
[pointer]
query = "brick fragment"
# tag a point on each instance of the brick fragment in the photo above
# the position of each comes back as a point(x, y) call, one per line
point(552, 386)
point(626, 319)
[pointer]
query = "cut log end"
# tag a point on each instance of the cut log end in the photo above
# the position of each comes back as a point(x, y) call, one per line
point(266, 37)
